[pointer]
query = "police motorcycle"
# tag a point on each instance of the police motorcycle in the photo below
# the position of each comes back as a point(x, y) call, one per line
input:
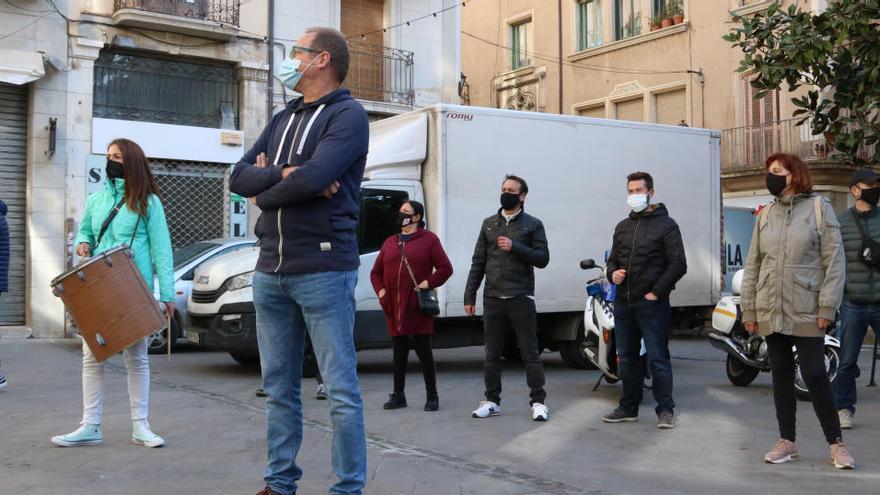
point(747, 353)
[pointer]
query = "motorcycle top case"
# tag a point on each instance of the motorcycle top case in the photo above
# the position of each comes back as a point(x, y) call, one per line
point(724, 315)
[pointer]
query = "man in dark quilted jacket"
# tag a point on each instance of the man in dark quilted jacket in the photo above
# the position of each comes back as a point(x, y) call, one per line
point(647, 259)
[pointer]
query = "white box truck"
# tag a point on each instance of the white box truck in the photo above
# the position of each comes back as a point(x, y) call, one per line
point(454, 158)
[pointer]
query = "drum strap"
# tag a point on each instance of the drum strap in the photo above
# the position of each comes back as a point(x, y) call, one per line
point(133, 232)
point(109, 219)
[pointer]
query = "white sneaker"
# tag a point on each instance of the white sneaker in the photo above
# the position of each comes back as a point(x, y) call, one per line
point(846, 419)
point(143, 435)
point(87, 434)
point(321, 392)
point(540, 412)
point(487, 408)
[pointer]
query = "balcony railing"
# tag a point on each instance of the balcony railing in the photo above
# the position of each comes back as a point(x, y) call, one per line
point(746, 148)
point(223, 11)
point(381, 74)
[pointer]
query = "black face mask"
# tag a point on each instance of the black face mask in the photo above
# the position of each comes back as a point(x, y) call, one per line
point(404, 220)
point(509, 201)
point(870, 196)
point(115, 170)
point(776, 183)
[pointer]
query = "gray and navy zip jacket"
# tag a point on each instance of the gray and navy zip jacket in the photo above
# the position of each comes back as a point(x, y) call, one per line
point(301, 231)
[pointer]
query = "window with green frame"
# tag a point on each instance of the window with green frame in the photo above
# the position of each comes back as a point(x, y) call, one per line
point(659, 7)
point(519, 44)
point(589, 24)
point(627, 20)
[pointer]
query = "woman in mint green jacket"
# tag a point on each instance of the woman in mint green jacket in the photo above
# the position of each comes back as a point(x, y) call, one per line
point(131, 186)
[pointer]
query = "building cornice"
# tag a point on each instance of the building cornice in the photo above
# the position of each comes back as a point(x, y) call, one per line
point(628, 42)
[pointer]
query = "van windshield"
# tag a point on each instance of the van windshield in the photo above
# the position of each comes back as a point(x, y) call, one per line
point(379, 208)
point(187, 254)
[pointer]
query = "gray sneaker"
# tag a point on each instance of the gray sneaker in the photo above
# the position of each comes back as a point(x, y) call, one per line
point(2, 381)
point(666, 421)
point(620, 416)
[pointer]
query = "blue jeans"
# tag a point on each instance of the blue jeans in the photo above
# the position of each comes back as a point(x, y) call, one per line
point(854, 321)
point(324, 303)
point(648, 320)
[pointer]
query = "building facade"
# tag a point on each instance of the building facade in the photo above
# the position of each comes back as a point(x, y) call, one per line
point(404, 53)
point(634, 60)
point(190, 81)
point(186, 79)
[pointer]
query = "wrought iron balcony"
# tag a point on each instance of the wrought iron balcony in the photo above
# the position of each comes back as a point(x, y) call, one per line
point(207, 18)
point(381, 74)
point(745, 148)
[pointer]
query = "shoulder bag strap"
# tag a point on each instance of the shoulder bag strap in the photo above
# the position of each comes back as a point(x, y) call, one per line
point(406, 262)
point(817, 209)
point(862, 231)
point(762, 216)
point(107, 221)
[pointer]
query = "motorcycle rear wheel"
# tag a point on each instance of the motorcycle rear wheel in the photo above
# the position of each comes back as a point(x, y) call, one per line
point(832, 360)
point(739, 373)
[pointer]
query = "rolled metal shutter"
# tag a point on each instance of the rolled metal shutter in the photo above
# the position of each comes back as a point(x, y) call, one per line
point(13, 190)
point(672, 107)
point(631, 110)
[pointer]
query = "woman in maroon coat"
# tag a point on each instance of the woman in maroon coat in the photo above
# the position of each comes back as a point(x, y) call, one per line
point(399, 299)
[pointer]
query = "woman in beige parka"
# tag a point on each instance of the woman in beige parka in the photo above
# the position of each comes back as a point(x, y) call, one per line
point(792, 287)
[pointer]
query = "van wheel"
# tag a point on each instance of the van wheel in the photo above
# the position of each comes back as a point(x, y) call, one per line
point(573, 352)
point(245, 359)
point(158, 342)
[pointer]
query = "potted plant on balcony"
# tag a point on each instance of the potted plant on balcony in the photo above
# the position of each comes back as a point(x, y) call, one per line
point(675, 9)
point(666, 18)
point(657, 22)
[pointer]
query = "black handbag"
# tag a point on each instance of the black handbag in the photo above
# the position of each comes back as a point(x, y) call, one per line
point(428, 303)
point(869, 254)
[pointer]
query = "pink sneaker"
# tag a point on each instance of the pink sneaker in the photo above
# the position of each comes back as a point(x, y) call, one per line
point(841, 458)
point(783, 452)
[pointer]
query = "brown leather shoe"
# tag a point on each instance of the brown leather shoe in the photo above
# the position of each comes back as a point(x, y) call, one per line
point(267, 491)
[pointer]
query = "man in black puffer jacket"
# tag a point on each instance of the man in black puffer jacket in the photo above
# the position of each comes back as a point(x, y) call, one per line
point(647, 259)
point(859, 227)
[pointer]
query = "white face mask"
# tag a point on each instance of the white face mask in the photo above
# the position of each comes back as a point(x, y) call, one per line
point(637, 202)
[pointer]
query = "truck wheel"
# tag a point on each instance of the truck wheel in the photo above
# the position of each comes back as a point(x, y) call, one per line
point(245, 359)
point(739, 373)
point(510, 351)
point(573, 352)
point(158, 342)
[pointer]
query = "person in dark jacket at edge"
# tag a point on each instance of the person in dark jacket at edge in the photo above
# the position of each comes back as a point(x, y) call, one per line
point(647, 259)
point(511, 243)
point(4, 264)
point(861, 293)
point(305, 171)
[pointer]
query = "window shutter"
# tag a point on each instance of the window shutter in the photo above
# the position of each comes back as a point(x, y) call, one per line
point(597, 111)
point(672, 107)
point(633, 110)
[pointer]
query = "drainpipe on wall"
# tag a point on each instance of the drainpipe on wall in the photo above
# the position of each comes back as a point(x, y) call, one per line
point(561, 110)
point(270, 56)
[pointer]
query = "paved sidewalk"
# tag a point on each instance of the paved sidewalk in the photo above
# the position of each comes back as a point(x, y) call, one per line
point(203, 403)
